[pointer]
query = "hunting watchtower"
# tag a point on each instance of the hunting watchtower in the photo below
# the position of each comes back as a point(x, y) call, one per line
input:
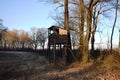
point(57, 38)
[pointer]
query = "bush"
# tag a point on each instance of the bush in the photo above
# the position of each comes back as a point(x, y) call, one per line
point(112, 62)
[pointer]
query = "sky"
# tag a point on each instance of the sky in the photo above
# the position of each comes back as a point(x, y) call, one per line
point(24, 14)
point(105, 25)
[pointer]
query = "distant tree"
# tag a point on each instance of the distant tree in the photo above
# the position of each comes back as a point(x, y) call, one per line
point(42, 36)
point(17, 39)
point(74, 39)
point(33, 37)
point(3, 30)
point(12, 39)
point(9, 39)
point(14, 35)
point(24, 39)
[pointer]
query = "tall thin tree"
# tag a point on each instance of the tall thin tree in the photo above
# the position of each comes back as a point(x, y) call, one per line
point(116, 12)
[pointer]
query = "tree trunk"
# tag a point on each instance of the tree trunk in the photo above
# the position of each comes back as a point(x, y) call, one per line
point(114, 26)
point(35, 46)
point(81, 21)
point(66, 23)
point(86, 56)
point(92, 43)
point(119, 42)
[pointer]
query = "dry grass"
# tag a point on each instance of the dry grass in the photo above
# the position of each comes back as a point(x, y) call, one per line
point(107, 69)
point(112, 62)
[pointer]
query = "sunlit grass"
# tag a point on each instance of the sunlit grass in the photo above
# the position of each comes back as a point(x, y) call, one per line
point(112, 62)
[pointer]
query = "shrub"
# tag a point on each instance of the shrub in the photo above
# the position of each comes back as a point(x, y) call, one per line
point(112, 61)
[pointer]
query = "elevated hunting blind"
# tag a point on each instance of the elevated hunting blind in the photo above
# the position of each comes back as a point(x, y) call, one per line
point(57, 36)
point(57, 39)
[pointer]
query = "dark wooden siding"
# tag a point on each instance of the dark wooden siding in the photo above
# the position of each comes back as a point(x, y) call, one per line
point(57, 39)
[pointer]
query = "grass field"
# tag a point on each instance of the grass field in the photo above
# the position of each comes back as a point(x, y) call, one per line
point(31, 66)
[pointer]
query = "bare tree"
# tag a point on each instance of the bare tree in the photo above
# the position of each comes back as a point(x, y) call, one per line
point(96, 13)
point(42, 36)
point(3, 30)
point(85, 22)
point(11, 38)
point(24, 39)
point(34, 40)
point(116, 12)
point(111, 5)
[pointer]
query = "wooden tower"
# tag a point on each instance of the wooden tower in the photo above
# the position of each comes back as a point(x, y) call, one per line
point(57, 39)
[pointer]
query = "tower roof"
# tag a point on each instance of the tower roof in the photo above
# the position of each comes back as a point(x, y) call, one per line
point(54, 27)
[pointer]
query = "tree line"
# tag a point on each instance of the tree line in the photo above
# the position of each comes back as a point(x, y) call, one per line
point(21, 39)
